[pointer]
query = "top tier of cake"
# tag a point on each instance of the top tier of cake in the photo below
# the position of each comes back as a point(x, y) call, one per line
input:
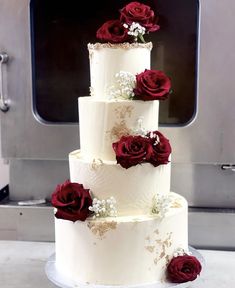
point(106, 60)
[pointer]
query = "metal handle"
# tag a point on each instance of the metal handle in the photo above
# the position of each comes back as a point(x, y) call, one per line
point(4, 105)
point(230, 167)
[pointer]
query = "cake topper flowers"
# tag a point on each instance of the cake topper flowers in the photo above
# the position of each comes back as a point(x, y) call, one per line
point(113, 31)
point(136, 19)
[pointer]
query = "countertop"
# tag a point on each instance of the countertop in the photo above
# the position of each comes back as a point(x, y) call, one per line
point(22, 265)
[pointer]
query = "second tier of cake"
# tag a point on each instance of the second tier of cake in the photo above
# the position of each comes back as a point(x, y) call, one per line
point(103, 122)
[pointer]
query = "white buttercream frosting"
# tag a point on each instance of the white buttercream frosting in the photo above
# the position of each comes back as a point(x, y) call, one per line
point(103, 122)
point(121, 250)
point(134, 188)
point(106, 60)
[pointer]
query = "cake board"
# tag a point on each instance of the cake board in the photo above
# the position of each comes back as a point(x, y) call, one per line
point(59, 280)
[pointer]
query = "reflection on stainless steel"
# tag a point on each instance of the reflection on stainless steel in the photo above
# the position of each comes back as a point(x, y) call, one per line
point(230, 167)
point(4, 106)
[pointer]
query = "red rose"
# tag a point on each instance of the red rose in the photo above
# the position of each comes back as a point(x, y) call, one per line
point(132, 150)
point(112, 31)
point(183, 269)
point(161, 149)
point(152, 85)
point(140, 13)
point(72, 201)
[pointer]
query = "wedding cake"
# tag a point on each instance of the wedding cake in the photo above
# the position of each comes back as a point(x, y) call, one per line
point(116, 221)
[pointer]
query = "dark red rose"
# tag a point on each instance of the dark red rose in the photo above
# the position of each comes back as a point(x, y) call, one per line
point(140, 13)
point(132, 150)
point(152, 85)
point(72, 201)
point(113, 31)
point(183, 269)
point(161, 148)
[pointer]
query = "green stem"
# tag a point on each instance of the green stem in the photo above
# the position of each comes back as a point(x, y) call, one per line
point(141, 37)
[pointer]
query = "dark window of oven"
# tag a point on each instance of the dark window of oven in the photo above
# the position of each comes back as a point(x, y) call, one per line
point(60, 31)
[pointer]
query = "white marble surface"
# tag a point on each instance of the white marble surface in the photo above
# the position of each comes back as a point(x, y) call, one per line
point(22, 265)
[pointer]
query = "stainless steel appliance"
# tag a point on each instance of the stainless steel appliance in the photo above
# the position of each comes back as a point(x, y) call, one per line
point(44, 66)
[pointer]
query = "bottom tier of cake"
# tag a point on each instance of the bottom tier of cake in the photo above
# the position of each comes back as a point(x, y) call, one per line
point(123, 250)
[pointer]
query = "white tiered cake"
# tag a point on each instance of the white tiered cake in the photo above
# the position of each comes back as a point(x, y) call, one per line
point(132, 225)
point(135, 246)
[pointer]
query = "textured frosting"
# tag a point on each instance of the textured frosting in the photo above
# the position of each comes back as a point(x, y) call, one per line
point(125, 45)
point(108, 59)
point(103, 122)
point(88, 252)
point(134, 188)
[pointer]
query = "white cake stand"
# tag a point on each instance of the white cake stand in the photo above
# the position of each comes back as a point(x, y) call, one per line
point(55, 277)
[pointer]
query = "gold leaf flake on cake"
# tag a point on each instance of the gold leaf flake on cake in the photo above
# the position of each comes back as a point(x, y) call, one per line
point(164, 244)
point(167, 242)
point(119, 130)
point(147, 238)
point(101, 228)
point(123, 112)
point(120, 127)
point(176, 204)
point(167, 258)
point(96, 163)
point(162, 254)
point(150, 248)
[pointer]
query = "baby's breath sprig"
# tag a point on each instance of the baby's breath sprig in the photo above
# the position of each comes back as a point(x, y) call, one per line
point(103, 208)
point(161, 205)
point(181, 252)
point(123, 86)
point(136, 30)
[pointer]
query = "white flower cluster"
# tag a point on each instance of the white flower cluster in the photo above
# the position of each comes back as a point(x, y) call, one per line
point(140, 130)
point(161, 205)
point(104, 208)
point(157, 139)
point(135, 30)
point(181, 252)
point(125, 82)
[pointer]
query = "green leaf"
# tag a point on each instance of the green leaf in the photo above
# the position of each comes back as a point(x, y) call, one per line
point(141, 37)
